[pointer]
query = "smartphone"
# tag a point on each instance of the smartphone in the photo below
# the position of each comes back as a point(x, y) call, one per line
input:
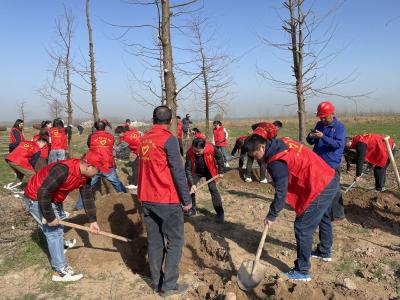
point(313, 130)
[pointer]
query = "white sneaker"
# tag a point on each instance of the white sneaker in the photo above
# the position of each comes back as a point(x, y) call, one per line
point(131, 187)
point(226, 165)
point(265, 180)
point(248, 179)
point(66, 215)
point(66, 274)
point(68, 244)
point(13, 186)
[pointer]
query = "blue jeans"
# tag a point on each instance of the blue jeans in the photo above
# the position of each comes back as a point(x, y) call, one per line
point(224, 154)
point(56, 155)
point(54, 234)
point(112, 177)
point(316, 214)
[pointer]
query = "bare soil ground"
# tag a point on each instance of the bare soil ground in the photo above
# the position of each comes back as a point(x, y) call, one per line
point(366, 256)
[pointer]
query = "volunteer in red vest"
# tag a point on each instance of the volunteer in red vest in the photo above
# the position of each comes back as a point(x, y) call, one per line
point(131, 138)
point(309, 185)
point(16, 135)
point(180, 133)
point(220, 140)
point(371, 147)
point(102, 142)
point(164, 193)
point(23, 160)
point(44, 133)
point(269, 131)
point(58, 141)
point(44, 196)
point(203, 160)
point(196, 133)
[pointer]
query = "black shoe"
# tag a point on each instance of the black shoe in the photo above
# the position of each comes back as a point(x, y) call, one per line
point(179, 289)
point(192, 212)
point(220, 218)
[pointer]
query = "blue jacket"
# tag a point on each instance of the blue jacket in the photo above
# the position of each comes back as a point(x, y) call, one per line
point(331, 146)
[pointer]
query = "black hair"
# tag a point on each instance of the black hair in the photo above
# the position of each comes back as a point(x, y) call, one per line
point(196, 130)
point(100, 125)
point(254, 126)
point(42, 139)
point(178, 117)
point(253, 142)
point(217, 123)
point(120, 129)
point(198, 143)
point(127, 121)
point(45, 123)
point(162, 115)
point(17, 122)
point(278, 123)
point(58, 123)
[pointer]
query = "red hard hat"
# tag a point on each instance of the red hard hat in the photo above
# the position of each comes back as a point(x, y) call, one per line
point(324, 109)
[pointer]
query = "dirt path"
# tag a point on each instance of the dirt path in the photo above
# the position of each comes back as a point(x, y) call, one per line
point(366, 254)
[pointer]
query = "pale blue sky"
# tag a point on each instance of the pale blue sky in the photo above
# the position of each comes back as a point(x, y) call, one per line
point(368, 29)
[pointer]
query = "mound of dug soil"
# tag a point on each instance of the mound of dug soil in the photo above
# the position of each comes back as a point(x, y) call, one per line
point(374, 210)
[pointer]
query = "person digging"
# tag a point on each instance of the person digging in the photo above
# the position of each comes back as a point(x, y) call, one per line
point(164, 193)
point(370, 147)
point(204, 160)
point(309, 185)
point(44, 196)
point(23, 160)
point(131, 138)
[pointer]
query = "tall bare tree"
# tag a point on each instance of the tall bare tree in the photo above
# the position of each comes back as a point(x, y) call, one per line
point(21, 109)
point(56, 109)
point(212, 65)
point(92, 65)
point(307, 44)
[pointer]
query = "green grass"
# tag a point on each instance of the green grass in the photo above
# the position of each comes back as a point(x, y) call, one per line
point(7, 175)
point(28, 254)
point(345, 266)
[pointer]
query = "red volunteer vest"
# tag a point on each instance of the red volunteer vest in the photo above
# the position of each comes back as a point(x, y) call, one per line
point(44, 153)
point(200, 136)
point(308, 174)
point(73, 181)
point(23, 154)
point(242, 137)
point(376, 148)
point(103, 142)
point(219, 137)
point(58, 139)
point(180, 130)
point(270, 130)
point(208, 159)
point(155, 183)
point(132, 138)
point(12, 138)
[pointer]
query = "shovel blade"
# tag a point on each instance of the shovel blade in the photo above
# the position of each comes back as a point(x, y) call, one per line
point(249, 277)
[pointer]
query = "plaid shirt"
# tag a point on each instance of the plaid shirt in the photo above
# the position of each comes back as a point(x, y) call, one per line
point(57, 175)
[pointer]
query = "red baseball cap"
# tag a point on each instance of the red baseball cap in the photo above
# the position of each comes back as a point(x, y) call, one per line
point(95, 159)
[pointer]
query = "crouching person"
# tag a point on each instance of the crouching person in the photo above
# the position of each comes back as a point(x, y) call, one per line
point(44, 196)
point(203, 160)
point(309, 185)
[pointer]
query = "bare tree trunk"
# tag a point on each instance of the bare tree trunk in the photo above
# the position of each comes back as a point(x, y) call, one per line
point(92, 70)
point(206, 92)
point(169, 78)
point(297, 50)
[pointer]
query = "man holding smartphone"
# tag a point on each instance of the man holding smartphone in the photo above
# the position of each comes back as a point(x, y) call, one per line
point(329, 140)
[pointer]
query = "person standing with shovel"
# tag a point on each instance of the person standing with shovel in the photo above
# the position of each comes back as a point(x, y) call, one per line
point(44, 197)
point(309, 185)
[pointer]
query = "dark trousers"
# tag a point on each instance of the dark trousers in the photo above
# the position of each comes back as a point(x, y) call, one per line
point(165, 238)
point(180, 146)
point(212, 187)
point(380, 176)
point(316, 215)
point(135, 170)
point(262, 164)
point(337, 205)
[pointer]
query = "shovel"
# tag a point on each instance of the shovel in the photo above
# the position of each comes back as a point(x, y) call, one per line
point(251, 272)
point(207, 182)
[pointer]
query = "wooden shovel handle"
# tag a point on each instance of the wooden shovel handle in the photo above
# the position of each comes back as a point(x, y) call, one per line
point(392, 161)
point(80, 227)
point(262, 241)
point(208, 181)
